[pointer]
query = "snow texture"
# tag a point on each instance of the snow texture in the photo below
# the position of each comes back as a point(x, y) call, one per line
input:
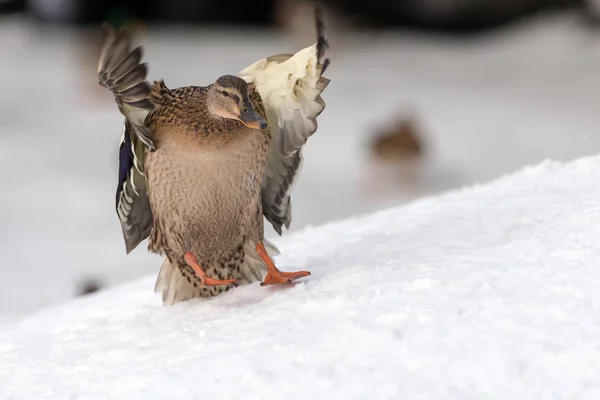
point(487, 292)
point(486, 105)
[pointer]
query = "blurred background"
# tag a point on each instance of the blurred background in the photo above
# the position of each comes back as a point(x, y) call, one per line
point(426, 96)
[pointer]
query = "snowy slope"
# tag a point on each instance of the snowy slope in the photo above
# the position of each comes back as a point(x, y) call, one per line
point(487, 105)
point(488, 292)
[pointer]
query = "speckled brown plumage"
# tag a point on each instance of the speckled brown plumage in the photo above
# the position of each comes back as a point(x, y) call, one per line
point(204, 185)
point(199, 167)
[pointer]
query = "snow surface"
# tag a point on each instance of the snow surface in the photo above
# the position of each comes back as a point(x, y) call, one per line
point(487, 105)
point(487, 292)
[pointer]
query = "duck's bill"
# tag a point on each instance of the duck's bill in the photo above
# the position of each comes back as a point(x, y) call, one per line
point(260, 124)
point(251, 119)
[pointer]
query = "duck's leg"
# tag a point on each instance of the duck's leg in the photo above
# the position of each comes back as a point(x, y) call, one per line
point(192, 261)
point(274, 275)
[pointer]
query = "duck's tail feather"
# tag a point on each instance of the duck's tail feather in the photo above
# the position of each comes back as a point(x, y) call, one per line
point(175, 285)
point(179, 283)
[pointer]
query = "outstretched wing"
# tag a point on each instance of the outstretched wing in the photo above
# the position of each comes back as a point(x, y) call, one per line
point(290, 86)
point(120, 71)
point(132, 204)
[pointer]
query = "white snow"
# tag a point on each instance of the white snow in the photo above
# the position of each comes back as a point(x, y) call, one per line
point(487, 292)
point(487, 106)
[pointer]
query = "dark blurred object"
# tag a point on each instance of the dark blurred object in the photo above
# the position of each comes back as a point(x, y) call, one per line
point(397, 162)
point(449, 15)
point(254, 12)
point(89, 286)
point(399, 144)
point(591, 11)
point(8, 6)
point(119, 12)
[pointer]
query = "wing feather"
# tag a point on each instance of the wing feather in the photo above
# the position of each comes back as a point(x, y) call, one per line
point(290, 86)
point(120, 71)
point(132, 203)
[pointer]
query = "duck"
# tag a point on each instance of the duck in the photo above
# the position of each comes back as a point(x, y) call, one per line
point(202, 167)
point(399, 143)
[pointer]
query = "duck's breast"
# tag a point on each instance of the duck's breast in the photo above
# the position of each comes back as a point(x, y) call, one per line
point(202, 195)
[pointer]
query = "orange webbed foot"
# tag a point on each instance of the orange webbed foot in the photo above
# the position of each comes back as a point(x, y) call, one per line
point(207, 281)
point(192, 261)
point(279, 277)
point(275, 276)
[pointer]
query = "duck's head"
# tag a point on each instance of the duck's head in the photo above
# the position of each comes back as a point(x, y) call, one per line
point(229, 98)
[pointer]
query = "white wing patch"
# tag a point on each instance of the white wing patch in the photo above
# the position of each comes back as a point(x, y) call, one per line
point(290, 87)
point(290, 92)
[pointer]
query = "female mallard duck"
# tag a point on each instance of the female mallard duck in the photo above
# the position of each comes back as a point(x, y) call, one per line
point(200, 166)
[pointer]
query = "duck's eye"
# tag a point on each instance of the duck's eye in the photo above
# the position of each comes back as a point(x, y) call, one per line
point(225, 93)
